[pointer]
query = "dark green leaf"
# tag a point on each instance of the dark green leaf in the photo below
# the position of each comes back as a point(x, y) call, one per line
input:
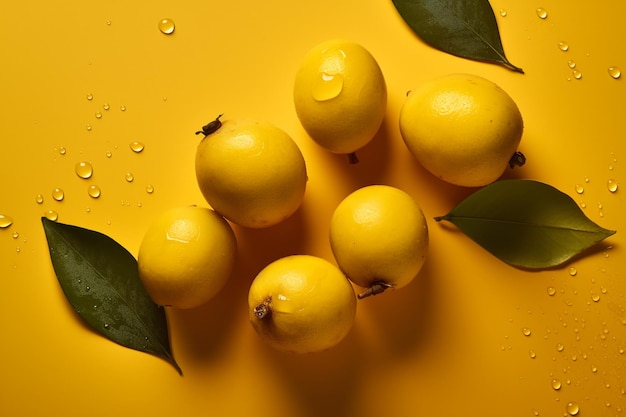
point(465, 28)
point(100, 280)
point(526, 223)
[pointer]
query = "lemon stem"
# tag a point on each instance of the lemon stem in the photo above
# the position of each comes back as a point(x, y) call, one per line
point(377, 287)
point(353, 158)
point(262, 311)
point(517, 160)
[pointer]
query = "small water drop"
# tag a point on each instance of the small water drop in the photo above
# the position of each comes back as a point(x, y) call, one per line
point(62, 150)
point(167, 26)
point(564, 46)
point(560, 347)
point(526, 331)
point(15, 235)
point(149, 189)
point(572, 408)
point(129, 177)
point(572, 271)
point(136, 146)
point(571, 64)
point(327, 86)
point(89, 96)
point(58, 194)
point(503, 13)
point(84, 169)
point(595, 297)
point(579, 188)
point(39, 199)
point(94, 191)
point(583, 204)
point(123, 108)
point(532, 354)
point(52, 215)
point(106, 325)
point(108, 22)
point(542, 13)
point(98, 115)
point(106, 106)
point(5, 221)
point(611, 185)
point(88, 288)
point(551, 291)
point(109, 154)
point(615, 72)
point(577, 74)
point(556, 384)
point(88, 127)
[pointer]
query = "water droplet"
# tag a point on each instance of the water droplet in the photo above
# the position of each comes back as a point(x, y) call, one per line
point(595, 297)
point(52, 215)
point(98, 115)
point(583, 204)
point(84, 169)
point(551, 291)
point(136, 146)
point(58, 194)
point(39, 199)
point(556, 384)
point(94, 191)
point(149, 189)
point(612, 186)
point(526, 331)
point(577, 74)
point(129, 177)
point(106, 106)
point(572, 271)
point(62, 150)
point(615, 72)
point(88, 288)
point(88, 127)
point(123, 108)
point(503, 13)
point(15, 235)
point(167, 26)
point(579, 188)
point(108, 22)
point(109, 154)
point(563, 46)
point(559, 347)
point(327, 86)
point(571, 64)
point(5, 221)
point(542, 13)
point(532, 354)
point(106, 325)
point(572, 408)
point(89, 96)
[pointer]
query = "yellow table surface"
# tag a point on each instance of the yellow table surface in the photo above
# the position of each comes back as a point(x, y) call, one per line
point(450, 344)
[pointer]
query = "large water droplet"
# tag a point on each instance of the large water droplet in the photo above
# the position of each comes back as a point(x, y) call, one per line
point(564, 46)
point(611, 185)
point(577, 74)
point(572, 408)
point(52, 215)
point(136, 146)
point(58, 194)
point(542, 13)
point(5, 221)
point(94, 191)
point(327, 86)
point(84, 169)
point(167, 26)
point(615, 72)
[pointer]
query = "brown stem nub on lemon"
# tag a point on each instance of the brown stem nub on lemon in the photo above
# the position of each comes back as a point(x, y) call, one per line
point(376, 288)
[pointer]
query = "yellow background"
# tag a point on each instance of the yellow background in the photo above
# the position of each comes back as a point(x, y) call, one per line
point(449, 344)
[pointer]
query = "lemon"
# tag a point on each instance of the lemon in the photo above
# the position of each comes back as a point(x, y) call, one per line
point(379, 237)
point(301, 304)
point(340, 95)
point(251, 172)
point(186, 256)
point(462, 128)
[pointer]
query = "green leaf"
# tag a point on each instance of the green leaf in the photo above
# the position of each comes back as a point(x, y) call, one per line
point(100, 279)
point(526, 223)
point(465, 28)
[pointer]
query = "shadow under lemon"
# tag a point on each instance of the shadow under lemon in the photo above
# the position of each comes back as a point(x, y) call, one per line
point(202, 336)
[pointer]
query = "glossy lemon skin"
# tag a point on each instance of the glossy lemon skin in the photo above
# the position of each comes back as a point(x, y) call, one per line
point(340, 95)
point(186, 257)
point(251, 172)
point(378, 234)
point(312, 304)
point(462, 128)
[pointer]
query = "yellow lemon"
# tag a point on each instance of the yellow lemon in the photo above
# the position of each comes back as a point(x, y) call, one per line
point(186, 256)
point(301, 304)
point(251, 172)
point(379, 237)
point(340, 96)
point(462, 128)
